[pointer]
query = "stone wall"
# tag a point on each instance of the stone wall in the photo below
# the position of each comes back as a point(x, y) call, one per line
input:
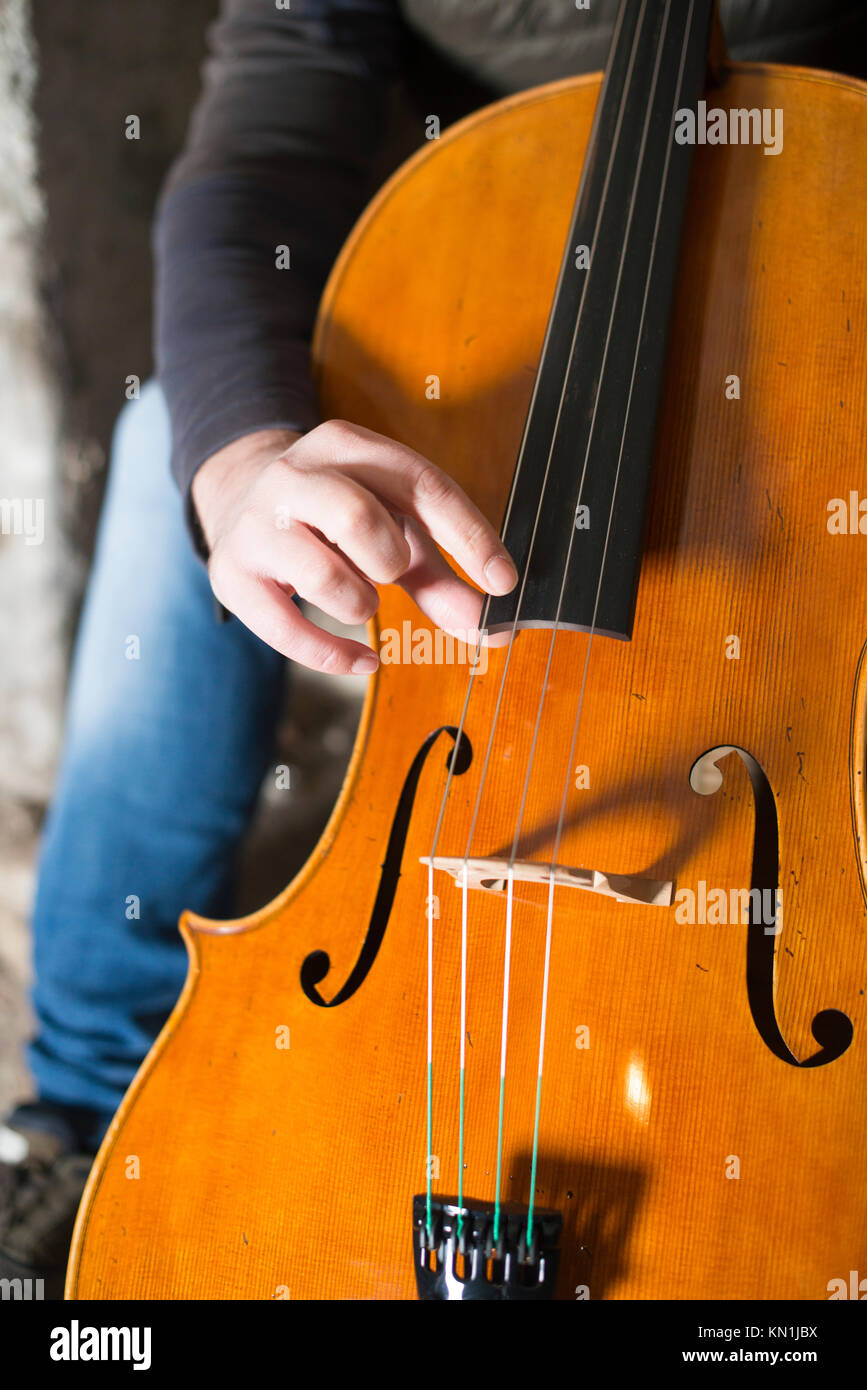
point(31, 574)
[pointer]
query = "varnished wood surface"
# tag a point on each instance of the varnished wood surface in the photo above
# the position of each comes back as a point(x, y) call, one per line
point(267, 1171)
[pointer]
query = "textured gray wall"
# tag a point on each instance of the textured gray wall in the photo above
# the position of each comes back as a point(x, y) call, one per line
point(31, 665)
point(100, 62)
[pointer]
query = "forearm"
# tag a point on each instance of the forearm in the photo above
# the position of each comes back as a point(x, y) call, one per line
point(276, 157)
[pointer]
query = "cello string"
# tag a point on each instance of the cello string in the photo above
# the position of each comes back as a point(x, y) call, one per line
point(474, 665)
point(542, 1029)
point(557, 618)
point(602, 202)
point(469, 688)
point(430, 902)
point(463, 1052)
point(590, 436)
point(544, 684)
point(525, 576)
point(504, 1032)
point(429, 1087)
point(580, 705)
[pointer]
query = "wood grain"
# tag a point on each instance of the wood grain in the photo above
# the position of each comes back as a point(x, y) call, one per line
point(265, 1171)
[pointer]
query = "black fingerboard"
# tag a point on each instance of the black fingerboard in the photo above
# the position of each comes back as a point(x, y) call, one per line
point(589, 434)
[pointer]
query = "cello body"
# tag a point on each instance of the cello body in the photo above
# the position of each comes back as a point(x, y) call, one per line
point(703, 1112)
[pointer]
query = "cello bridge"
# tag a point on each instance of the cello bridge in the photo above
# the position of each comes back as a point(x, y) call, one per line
point(492, 876)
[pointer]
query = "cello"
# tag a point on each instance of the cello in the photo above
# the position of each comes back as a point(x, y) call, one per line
point(569, 1000)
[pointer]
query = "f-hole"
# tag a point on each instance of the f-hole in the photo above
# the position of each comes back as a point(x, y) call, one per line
point(317, 965)
point(831, 1028)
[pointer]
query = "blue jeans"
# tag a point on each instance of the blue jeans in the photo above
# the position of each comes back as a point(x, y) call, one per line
point(171, 722)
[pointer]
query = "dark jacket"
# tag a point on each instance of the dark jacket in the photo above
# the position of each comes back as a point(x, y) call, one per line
point(291, 134)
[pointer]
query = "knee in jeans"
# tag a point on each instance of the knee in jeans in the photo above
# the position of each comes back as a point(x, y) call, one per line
point(141, 446)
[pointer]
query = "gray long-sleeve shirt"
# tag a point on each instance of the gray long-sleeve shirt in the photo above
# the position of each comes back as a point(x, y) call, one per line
point(283, 145)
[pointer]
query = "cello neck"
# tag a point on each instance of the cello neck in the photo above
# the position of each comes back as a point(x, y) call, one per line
point(575, 518)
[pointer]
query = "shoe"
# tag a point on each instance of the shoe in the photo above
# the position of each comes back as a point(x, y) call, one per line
point(42, 1177)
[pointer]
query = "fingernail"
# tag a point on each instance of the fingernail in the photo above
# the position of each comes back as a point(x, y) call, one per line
point(500, 574)
point(365, 665)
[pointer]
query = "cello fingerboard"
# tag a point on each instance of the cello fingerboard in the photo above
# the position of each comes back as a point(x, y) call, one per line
point(574, 523)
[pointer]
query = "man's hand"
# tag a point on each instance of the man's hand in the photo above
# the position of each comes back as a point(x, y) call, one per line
point(329, 515)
